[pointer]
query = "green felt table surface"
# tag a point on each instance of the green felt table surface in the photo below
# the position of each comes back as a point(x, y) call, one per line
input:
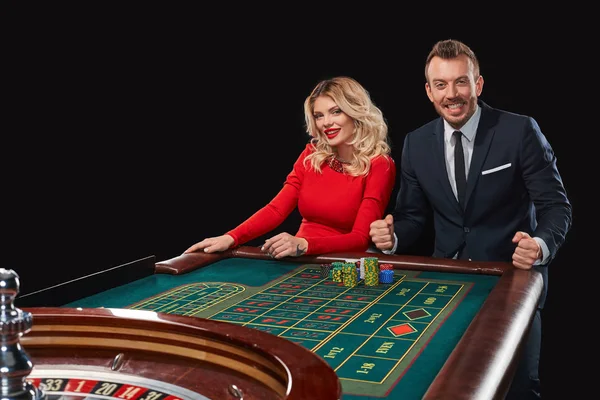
point(383, 341)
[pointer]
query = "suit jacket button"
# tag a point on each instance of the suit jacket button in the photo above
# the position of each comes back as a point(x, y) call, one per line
point(467, 230)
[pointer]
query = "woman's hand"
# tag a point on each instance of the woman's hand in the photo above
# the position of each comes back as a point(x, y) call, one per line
point(213, 244)
point(284, 244)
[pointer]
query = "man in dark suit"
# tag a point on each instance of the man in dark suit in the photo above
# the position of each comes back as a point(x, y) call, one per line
point(489, 178)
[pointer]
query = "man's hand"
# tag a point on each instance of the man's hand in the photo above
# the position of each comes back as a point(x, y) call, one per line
point(382, 233)
point(527, 252)
point(284, 244)
point(210, 245)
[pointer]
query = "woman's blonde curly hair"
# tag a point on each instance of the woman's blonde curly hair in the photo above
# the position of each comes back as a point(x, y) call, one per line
point(371, 131)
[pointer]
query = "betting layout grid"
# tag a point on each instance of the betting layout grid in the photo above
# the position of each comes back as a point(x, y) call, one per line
point(326, 316)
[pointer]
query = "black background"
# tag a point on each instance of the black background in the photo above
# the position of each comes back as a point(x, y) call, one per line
point(139, 131)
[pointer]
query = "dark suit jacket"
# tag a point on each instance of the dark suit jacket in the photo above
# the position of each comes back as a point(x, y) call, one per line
point(513, 185)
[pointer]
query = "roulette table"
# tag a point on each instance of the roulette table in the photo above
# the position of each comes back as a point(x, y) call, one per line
point(440, 329)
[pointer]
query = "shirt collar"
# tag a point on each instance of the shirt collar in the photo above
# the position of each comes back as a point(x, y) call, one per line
point(468, 130)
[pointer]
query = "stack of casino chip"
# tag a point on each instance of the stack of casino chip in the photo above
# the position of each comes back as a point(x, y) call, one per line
point(371, 266)
point(338, 273)
point(325, 269)
point(350, 275)
point(386, 273)
point(360, 276)
point(361, 265)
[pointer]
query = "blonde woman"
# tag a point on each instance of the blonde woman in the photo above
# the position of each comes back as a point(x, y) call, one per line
point(341, 182)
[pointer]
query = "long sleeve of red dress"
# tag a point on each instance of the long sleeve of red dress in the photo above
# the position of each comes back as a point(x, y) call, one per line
point(336, 209)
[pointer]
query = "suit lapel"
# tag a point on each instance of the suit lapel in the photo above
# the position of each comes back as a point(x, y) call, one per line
point(439, 159)
point(483, 140)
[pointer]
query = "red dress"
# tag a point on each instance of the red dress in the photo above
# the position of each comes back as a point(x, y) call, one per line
point(337, 209)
